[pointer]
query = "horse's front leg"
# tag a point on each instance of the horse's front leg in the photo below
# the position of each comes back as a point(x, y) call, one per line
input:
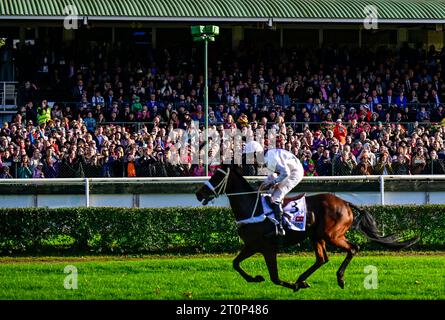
point(321, 258)
point(244, 254)
point(270, 256)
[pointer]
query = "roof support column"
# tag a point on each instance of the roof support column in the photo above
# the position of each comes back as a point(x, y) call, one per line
point(402, 36)
point(320, 37)
point(68, 35)
point(113, 34)
point(153, 37)
point(435, 37)
point(22, 34)
point(281, 38)
point(360, 33)
point(237, 36)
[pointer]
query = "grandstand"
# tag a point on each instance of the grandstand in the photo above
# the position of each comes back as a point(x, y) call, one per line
point(94, 88)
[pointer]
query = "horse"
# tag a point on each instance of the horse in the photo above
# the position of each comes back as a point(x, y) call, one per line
point(333, 217)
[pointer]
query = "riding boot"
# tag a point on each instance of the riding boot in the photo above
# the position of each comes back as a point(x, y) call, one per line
point(278, 212)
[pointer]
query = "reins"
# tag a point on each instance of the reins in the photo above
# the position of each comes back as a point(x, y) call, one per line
point(220, 189)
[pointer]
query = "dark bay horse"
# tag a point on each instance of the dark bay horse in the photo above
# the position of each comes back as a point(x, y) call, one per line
point(332, 219)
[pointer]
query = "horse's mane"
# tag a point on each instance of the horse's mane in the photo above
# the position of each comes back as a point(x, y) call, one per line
point(243, 181)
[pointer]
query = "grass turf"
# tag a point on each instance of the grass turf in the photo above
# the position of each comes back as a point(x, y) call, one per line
point(400, 276)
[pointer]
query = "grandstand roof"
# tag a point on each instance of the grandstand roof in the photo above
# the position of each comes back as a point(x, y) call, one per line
point(389, 11)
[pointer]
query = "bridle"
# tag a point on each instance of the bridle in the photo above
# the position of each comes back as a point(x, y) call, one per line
point(220, 188)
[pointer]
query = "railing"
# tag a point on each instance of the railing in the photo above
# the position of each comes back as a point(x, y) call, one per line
point(298, 104)
point(8, 93)
point(88, 184)
point(332, 168)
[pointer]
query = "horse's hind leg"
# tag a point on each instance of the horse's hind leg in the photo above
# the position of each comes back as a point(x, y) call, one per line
point(244, 254)
point(351, 250)
point(321, 258)
point(270, 256)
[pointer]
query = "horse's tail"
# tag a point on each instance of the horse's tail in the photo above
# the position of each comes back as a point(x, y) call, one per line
point(366, 224)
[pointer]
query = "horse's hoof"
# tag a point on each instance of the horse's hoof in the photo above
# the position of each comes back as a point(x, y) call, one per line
point(258, 279)
point(341, 283)
point(301, 285)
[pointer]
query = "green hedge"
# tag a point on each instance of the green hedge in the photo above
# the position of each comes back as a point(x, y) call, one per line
point(176, 230)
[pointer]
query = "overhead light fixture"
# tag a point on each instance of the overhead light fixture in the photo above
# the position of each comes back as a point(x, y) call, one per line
point(85, 21)
point(270, 23)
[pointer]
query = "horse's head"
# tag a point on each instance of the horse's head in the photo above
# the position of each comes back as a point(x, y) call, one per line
point(215, 186)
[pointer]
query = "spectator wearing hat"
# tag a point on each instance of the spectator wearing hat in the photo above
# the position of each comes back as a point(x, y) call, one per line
point(352, 114)
point(319, 139)
point(38, 171)
point(136, 105)
point(364, 166)
point(340, 132)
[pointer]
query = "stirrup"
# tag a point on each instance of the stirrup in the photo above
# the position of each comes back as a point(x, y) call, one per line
point(280, 230)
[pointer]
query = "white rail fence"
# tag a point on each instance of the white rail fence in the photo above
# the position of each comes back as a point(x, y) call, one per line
point(157, 199)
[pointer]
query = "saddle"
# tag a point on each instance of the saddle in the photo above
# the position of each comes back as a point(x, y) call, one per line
point(285, 201)
point(294, 218)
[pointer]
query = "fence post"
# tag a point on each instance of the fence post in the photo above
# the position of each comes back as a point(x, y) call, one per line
point(382, 190)
point(87, 192)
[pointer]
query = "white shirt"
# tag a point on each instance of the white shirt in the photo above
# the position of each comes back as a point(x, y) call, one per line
point(282, 162)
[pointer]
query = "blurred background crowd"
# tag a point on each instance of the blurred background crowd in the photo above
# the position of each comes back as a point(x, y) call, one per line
point(104, 112)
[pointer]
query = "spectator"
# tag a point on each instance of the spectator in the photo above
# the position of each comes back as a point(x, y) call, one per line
point(324, 164)
point(345, 164)
point(38, 171)
point(435, 166)
point(24, 171)
point(286, 95)
point(43, 113)
point(383, 166)
point(364, 167)
point(90, 122)
point(401, 165)
point(418, 162)
point(199, 170)
point(282, 98)
point(5, 173)
point(340, 132)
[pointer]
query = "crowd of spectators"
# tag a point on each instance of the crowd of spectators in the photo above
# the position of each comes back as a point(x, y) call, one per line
point(340, 111)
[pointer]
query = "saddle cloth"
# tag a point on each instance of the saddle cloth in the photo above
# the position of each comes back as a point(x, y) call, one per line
point(294, 214)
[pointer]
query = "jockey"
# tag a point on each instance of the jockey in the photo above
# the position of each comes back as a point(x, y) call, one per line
point(290, 173)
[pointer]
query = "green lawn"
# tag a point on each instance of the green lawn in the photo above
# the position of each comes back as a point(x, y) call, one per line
point(407, 276)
